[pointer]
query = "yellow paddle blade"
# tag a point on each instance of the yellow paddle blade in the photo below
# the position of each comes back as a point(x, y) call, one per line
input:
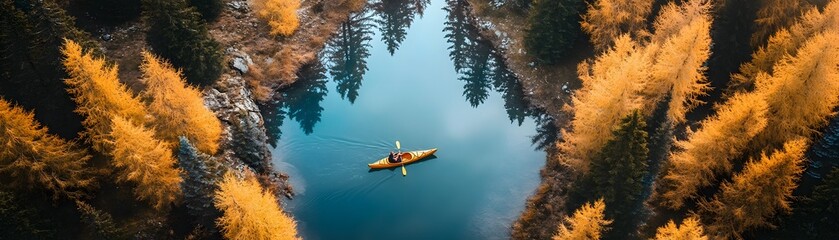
point(398, 146)
point(404, 172)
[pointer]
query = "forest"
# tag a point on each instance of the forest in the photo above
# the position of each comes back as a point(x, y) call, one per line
point(660, 119)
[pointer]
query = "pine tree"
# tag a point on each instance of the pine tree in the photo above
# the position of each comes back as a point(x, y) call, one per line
point(99, 94)
point(822, 207)
point(395, 17)
point(146, 162)
point(609, 92)
point(29, 156)
point(619, 168)
point(758, 193)
point(110, 12)
point(606, 20)
point(348, 53)
point(802, 91)
point(251, 213)
point(588, 223)
point(177, 33)
point(178, 108)
point(201, 175)
point(553, 27)
point(281, 15)
point(710, 150)
point(209, 9)
point(691, 229)
point(22, 220)
point(101, 222)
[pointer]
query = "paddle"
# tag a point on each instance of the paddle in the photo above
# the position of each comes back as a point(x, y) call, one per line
point(399, 147)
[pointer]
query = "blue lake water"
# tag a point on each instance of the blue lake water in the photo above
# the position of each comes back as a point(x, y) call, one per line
point(430, 82)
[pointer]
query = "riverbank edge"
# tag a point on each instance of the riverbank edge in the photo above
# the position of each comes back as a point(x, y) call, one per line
point(547, 88)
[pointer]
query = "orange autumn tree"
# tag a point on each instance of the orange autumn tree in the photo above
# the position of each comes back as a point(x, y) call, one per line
point(637, 75)
point(146, 162)
point(691, 229)
point(682, 42)
point(281, 15)
point(776, 14)
point(758, 193)
point(588, 223)
point(98, 93)
point(786, 41)
point(710, 150)
point(606, 20)
point(178, 108)
point(29, 156)
point(610, 87)
point(251, 213)
point(802, 91)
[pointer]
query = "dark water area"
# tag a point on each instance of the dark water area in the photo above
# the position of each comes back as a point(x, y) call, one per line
point(416, 72)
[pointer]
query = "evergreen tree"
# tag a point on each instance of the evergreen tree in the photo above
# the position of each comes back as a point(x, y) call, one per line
point(177, 107)
point(618, 170)
point(691, 229)
point(250, 212)
point(822, 208)
point(22, 221)
point(209, 9)
point(146, 162)
point(761, 190)
point(99, 95)
point(29, 156)
point(553, 27)
point(587, 223)
point(201, 175)
point(111, 12)
point(101, 222)
point(31, 74)
point(177, 33)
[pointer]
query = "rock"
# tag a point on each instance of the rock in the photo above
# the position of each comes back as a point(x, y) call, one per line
point(107, 37)
point(240, 6)
point(239, 65)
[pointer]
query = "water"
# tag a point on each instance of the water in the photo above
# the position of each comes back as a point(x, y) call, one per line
point(430, 82)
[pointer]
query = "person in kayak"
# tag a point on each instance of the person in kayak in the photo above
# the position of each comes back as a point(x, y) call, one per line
point(394, 157)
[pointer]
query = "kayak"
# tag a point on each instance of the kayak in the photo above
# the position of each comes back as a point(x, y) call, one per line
point(407, 158)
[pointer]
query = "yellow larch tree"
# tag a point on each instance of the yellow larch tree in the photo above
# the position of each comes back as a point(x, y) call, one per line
point(756, 194)
point(588, 223)
point(680, 61)
point(786, 41)
point(29, 156)
point(691, 229)
point(673, 17)
point(251, 213)
point(611, 86)
point(710, 149)
point(281, 15)
point(802, 91)
point(178, 109)
point(606, 20)
point(146, 162)
point(774, 15)
point(98, 93)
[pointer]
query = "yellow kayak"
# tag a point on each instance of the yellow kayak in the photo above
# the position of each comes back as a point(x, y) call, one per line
point(407, 158)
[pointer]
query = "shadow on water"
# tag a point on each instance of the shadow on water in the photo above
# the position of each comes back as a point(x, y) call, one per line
point(399, 168)
point(394, 19)
point(480, 67)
